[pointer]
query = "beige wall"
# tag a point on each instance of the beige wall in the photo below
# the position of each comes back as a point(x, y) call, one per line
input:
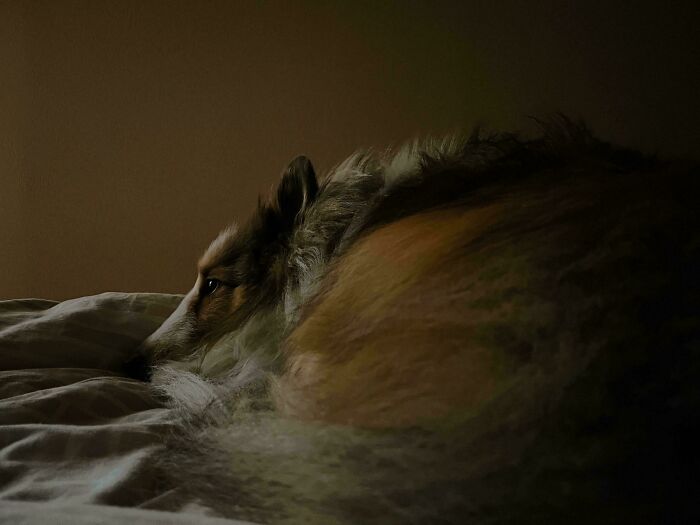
point(131, 132)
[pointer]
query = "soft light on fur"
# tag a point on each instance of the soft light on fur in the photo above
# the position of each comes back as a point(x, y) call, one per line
point(489, 330)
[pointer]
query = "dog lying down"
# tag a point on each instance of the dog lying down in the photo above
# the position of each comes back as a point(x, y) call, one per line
point(494, 330)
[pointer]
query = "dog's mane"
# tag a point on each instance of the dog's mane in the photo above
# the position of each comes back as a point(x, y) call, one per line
point(373, 188)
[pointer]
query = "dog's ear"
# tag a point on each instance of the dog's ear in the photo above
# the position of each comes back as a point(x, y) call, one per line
point(297, 190)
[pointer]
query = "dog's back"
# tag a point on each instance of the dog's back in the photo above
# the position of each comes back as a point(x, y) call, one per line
point(516, 337)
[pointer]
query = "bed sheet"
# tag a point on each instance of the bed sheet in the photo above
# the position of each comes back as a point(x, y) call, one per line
point(78, 439)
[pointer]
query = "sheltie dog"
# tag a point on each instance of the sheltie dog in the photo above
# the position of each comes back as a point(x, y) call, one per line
point(488, 330)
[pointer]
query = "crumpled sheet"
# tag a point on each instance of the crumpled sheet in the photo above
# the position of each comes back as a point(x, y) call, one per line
point(78, 439)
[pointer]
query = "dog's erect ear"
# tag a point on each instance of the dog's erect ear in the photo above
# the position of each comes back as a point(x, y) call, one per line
point(297, 190)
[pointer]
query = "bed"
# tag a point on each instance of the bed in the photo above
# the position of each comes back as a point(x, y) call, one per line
point(78, 439)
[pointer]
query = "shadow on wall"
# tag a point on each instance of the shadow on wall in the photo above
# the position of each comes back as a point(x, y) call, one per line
point(132, 132)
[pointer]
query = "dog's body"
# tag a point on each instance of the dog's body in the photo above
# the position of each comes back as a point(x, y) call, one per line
point(489, 331)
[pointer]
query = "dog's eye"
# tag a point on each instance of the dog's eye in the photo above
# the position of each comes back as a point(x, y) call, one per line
point(210, 286)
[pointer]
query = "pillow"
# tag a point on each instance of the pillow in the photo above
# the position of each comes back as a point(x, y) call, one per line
point(100, 331)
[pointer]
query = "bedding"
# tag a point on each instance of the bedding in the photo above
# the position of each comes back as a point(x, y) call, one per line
point(78, 439)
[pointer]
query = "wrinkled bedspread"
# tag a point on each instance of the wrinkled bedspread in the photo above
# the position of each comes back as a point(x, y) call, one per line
point(78, 439)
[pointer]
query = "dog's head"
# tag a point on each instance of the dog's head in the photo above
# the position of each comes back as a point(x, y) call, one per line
point(243, 270)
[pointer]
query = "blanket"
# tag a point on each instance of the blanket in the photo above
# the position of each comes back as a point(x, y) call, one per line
point(78, 439)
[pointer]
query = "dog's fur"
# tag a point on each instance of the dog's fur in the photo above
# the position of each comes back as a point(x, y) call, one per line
point(492, 330)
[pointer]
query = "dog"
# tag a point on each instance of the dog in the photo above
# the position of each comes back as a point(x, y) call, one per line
point(488, 330)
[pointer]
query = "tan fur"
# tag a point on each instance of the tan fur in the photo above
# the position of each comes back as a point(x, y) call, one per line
point(216, 251)
point(358, 359)
point(225, 301)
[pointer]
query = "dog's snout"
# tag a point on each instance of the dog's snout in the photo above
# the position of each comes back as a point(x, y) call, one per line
point(139, 365)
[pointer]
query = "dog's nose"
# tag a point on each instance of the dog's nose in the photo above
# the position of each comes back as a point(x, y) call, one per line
point(139, 366)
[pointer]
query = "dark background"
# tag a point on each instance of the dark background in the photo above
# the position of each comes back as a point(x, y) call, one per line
point(131, 132)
